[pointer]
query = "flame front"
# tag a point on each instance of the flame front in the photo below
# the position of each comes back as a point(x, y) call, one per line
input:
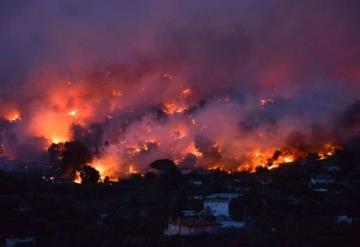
point(219, 134)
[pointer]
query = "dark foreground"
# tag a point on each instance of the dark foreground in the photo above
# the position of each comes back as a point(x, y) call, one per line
point(280, 207)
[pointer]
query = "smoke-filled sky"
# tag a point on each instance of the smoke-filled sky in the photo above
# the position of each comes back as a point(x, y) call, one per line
point(145, 79)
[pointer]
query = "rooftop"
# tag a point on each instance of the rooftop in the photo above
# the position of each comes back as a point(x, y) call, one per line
point(193, 222)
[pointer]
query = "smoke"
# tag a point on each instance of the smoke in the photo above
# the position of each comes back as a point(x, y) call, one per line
point(350, 119)
point(218, 84)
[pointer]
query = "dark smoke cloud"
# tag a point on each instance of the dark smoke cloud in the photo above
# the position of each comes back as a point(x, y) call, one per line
point(267, 44)
point(350, 118)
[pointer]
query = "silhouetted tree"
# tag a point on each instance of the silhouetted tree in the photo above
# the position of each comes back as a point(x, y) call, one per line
point(76, 154)
point(55, 159)
point(89, 175)
point(68, 157)
point(170, 175)
point(163, 165)
point(313, 157)
point(107, 180)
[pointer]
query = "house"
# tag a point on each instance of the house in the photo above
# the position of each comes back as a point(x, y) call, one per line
point(295, 200)
point(229, 223)
point(217, 207)
point(196, 182)
point(321, 183)
point(22, 208)
point(61, 181)
point(195, 197)
point(344, 219)
point(102, 218)
point(227, 196)
point(333, 168)
point(218, 204)
point(190, 213)
point(191, 227)
point(19, 242)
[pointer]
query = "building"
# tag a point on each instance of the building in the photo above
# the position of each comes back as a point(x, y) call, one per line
point(217, 207)
point(196, 182)
point(228, 196)
point(19, 242)
point(321, 183)
point(229, 223)
point(190, 213)
point(344, 219)
point(191, 227)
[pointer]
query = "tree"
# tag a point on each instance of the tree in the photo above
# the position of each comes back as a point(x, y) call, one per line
point(313, 157)
point(76, 154)
point(55, 159)
point(163, 165)
point(69, 157)
point(170, 176)
point(89, 175)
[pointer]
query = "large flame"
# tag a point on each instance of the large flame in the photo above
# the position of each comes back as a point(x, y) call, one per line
point(192, 134)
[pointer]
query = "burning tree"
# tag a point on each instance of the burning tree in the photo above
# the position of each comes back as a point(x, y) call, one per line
point(69, 157)
point(89, 175)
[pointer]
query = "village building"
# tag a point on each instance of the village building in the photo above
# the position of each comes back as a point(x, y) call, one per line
point(321, 183)
point(196, 182)
point(227, 196)
point(190, 213)
point(217, 207)
point(229, 223)
point(19, 242)
point(189, 227)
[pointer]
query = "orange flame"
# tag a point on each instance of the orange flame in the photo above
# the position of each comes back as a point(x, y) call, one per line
point(12, 115)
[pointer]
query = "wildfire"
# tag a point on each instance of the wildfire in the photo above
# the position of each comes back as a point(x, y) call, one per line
point(191, 149)
point(12, 116)
point(77, 178)
point(264, 102)
point(186, 91)
point(167, 76)
point(108, 166)
point(174, 107)
point(116, 93)
point(137, 141)
point(133, 170)
point(327, 150)
point(180, 132)
point(73, 113)
point(289, 158)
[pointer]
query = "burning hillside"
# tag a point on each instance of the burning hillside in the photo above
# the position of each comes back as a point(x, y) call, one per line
point(225, 131)
point(217, 93)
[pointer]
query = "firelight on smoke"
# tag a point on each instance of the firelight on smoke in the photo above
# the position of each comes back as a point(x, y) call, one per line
point(73, 113)
point(12, 115)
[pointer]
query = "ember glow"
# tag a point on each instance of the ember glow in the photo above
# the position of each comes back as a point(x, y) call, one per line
point(109, 166)
point(236, 91)
point(12, 115)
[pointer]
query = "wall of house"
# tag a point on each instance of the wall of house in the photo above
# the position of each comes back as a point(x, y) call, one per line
point(217, 208)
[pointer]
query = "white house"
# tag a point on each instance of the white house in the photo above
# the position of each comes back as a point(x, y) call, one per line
point(16, 242)
point(217, 207)
point(189, 213)
point(228, 223)
point(196, 182)
point(320, 183)
point(228, 196)
point(344, 219)
point(186, 227)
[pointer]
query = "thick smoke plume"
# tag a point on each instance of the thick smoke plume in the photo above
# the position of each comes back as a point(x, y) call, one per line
point(232, 84)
